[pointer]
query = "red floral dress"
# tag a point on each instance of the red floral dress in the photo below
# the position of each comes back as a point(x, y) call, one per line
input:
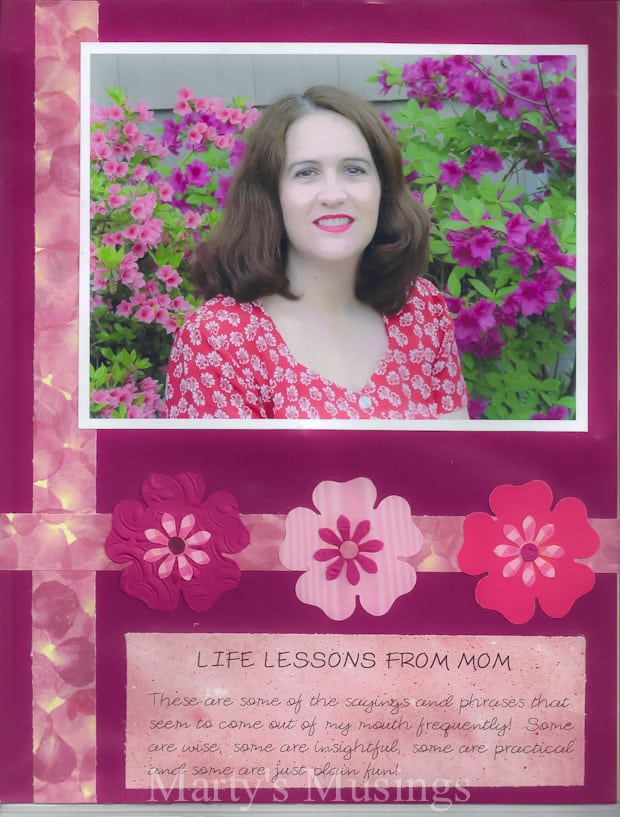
point(229, 361)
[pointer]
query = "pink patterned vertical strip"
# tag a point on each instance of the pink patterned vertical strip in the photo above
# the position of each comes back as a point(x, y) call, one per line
point(64, 457)
point(63, 675)
point(63, 605)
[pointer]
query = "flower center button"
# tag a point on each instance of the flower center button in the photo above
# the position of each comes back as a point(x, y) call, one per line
point(529, 552)
point(349, 549)
point(365, 402)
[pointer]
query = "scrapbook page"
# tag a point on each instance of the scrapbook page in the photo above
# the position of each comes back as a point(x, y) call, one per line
point(234, 571)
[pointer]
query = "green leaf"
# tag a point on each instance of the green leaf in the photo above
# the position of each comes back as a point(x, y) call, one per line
point(117, 95)
point(471, 209)
point(110, 256)
point(439, 247)
point(545, 211)
point(120, 412)
point(568, 273)
point(450, 224)
point(488, 189)
point(494, 224)
point(511, 208)
point(430, 194)
point(454, 284)
point(482, 288)
point(512, 193)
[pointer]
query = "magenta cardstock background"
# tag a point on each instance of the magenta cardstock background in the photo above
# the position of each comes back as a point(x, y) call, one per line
point(270, 472)
point(264, 599)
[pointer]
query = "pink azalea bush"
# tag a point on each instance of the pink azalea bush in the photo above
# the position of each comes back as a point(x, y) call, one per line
point(153, 197)
point(489, 147)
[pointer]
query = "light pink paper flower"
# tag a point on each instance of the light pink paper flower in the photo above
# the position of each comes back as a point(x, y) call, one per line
point(176, 547)
point(528, 552)
point(351, 549)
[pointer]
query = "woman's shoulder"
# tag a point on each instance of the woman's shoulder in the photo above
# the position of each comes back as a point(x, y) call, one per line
point(425, 311)
point(424, 297)
point(224, 308)
point(425, 289)
point(222, 314)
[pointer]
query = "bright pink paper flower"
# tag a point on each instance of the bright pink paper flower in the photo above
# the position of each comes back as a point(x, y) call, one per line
point(176, 543)
point(528, 552)
point(351, 549)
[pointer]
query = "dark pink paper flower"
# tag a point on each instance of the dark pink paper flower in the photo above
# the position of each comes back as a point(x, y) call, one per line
point(175, 543)
point(528, 551)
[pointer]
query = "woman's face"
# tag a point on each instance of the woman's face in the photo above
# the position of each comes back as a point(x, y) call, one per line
point(330, 190)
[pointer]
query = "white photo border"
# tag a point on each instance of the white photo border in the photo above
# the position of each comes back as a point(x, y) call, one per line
point(578, 51)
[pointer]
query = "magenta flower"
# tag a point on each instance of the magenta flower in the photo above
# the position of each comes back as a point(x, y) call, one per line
point(222, 190)
point(554, 413)
point(482, 160)
point(476, 408)
point(197, 173)
point(563, 96)
point(519, 259)
point(479, 92)
point(488, 345)
point(517, 227)
point(472, 247)
point(534, 296)
point(470, 324)
point(551, 63)
point(509, 311)
point(461, 251)
point(528, 552)
point(481, 243)
point(451, 173)
point(385, 86)
point(366, 548)
point(511, 108)
point(176, 542)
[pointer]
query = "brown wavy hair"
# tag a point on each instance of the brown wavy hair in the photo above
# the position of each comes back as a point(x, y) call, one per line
point(246, 254)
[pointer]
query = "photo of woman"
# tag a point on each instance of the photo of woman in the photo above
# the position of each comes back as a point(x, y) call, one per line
point(316, 306)
point(399, 244)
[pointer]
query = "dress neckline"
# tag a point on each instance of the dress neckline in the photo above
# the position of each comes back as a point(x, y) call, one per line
point(368, 385)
